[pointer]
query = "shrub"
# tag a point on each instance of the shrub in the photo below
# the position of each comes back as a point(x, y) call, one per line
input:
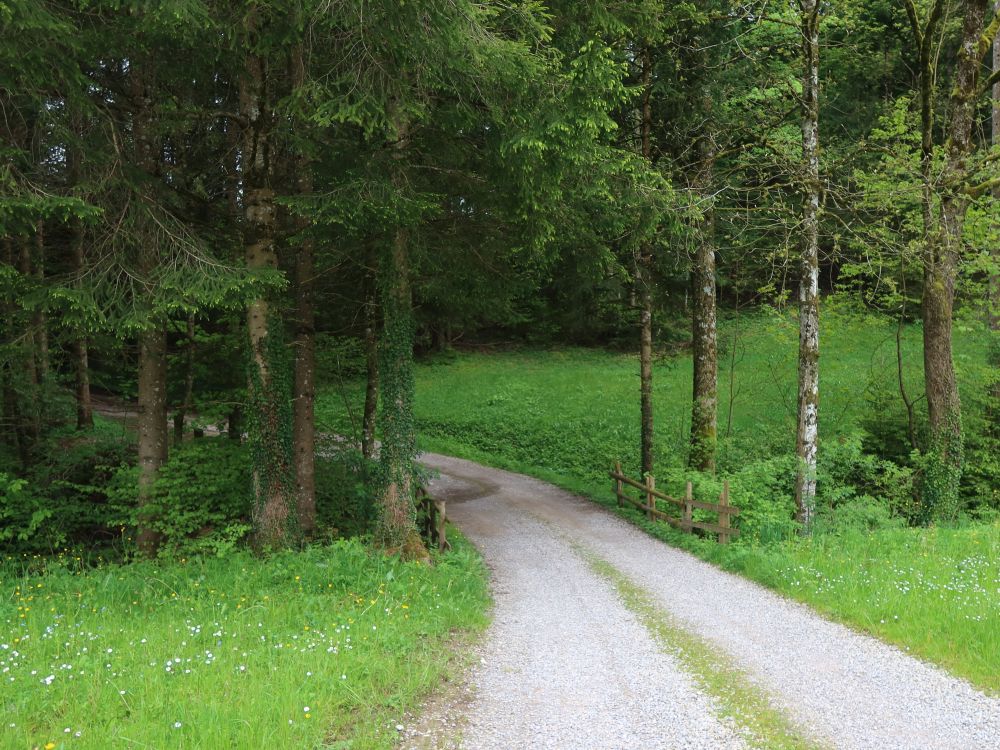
point(64, 501)
point(201, 499)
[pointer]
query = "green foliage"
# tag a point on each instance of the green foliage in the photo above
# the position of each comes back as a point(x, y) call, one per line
point(287, 650)
point(345, 485)
point(64, 501)
point(339, 358)
point(200, 502)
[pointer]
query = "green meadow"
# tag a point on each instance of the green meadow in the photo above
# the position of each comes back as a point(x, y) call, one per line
point(326, 647)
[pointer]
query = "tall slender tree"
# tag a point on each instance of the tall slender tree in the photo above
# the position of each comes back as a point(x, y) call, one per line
point(807, 435)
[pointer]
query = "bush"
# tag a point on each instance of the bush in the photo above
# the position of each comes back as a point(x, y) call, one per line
point(201, 499)
point(64, 501)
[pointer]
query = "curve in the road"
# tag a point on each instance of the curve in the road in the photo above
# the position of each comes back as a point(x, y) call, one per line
point(568, 663)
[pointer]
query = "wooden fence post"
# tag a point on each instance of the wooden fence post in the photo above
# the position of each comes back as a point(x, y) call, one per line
point(442, 519)
point(650, 499)
point(724, 513)
point(618, 484)
point(688, 497)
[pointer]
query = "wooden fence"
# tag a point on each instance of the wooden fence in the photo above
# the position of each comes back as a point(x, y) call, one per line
point(432, 517)
point(652, 498)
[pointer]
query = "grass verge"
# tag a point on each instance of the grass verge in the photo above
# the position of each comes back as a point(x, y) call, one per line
point(325, 648)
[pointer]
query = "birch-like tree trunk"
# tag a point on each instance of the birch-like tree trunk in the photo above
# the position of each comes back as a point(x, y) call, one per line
point(807, 435)
point(704, 333)
point(268, 386)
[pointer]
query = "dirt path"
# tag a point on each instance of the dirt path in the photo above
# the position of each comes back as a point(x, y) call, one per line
point(572, 662)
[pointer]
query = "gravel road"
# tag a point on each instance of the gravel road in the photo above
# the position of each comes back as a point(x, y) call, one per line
point(566, 665)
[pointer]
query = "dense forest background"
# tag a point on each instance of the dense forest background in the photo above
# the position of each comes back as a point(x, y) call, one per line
point(209, 210)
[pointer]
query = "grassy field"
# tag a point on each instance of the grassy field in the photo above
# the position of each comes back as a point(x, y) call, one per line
point(322, 648)
point(565, 416)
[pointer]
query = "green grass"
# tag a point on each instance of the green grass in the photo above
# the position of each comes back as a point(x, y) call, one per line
point(322, 648)
point(565, 416)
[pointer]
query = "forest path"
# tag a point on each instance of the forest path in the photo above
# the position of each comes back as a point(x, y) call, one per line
point(569, 663)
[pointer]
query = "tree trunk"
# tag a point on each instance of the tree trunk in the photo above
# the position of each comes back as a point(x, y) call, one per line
point(371, 366)
point(14, 422)
point(81, 367)
point(807, 435)
point(396, 528)
point(304, 394)
point(152, 427)
point(152, 386)
point(40, 319)
point(33, 418)
point(994, 291)
point(942, 255)
point(704, 335)
point(644, 269)
point(268, 388)
point(187, 401)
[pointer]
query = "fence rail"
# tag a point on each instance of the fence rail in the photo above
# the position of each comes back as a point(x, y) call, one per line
point(651, 496)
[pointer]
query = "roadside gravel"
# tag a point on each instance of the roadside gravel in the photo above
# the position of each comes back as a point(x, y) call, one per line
point(565, 665)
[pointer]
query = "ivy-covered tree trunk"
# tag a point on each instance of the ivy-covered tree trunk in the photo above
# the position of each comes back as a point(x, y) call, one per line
point(396, 528)
point(807, 434)
point(704, 335)
point(269, 419)
point(643, 281)
point(304, 392)
point(942, 254)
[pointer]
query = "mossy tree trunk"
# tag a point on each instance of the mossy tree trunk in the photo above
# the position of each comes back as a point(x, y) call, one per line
point(942, 250)
point(994, 292)
point(396, 528)
point(704, 329)
point(807, 434)
point(269, 419)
